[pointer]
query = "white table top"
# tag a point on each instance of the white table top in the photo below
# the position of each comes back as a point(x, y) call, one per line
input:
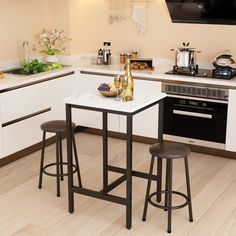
point(93, 99)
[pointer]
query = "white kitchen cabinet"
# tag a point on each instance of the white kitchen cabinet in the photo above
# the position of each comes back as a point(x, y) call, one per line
point(145, 123)
point(23, 134)
point(231, 122)
point(1, 141)
point(60, 88)
point(24, 101)
point(93, 119)
point(23, 110)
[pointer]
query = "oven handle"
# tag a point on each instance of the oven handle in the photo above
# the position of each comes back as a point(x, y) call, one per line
point(195, 114)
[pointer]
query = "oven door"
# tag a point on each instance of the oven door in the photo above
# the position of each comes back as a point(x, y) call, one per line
point(202, 120)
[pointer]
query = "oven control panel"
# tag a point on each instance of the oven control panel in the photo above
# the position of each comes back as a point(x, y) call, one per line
point(195, 91)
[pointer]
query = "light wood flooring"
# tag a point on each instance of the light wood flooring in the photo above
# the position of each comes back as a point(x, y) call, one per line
point(27, 211)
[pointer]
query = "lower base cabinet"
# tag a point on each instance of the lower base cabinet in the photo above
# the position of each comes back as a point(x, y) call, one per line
point(35, 104)
point(23, 134)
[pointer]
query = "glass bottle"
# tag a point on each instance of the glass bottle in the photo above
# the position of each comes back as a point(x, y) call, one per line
point(129, 90)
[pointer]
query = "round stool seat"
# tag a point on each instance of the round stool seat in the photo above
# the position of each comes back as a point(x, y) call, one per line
point(169, 150)
point(55, 126)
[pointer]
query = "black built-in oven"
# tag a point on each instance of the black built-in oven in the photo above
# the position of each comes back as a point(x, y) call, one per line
point(195, 112)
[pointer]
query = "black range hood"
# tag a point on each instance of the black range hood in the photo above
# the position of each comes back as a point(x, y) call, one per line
point(203, 12)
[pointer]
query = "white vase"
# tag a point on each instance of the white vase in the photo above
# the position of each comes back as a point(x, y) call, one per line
point(51, 59)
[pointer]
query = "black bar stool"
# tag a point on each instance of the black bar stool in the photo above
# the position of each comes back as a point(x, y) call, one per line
point(169, 151)
point(58, 127)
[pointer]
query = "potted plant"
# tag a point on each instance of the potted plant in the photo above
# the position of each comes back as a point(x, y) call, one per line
point(52, 42)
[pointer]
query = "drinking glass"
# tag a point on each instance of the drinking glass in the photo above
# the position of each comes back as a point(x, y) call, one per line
point(117, 83)
point(124, 85)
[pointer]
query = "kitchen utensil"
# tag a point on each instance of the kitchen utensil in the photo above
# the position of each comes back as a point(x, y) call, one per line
point(185, 57)
point(224, 60)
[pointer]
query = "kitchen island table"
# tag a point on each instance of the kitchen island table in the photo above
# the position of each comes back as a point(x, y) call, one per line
point(95, 102)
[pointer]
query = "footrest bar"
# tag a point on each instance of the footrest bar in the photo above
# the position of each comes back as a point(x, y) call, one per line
point(114, 184)
point(99, 195)
point(134, 172)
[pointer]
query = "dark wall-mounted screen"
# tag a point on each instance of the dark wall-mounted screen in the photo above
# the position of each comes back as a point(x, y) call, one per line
point(203, 12)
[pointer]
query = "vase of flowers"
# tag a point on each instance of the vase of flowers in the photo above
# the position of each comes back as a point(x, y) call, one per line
point(52, 42)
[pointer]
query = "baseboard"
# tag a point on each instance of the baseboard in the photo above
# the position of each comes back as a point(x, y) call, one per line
point(29, 150)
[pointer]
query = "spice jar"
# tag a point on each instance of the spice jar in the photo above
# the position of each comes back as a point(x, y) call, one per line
point(135, 54)
point(122, 58)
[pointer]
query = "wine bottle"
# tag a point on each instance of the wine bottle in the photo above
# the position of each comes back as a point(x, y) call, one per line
point(128, 93)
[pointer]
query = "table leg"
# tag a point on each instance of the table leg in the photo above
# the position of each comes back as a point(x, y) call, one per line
point(160, 139)
point(69, 158)
point(105, 152)
point(129, 172)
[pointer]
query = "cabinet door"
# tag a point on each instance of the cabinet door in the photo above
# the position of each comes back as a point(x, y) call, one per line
point(1, 140)
point(60, 88)
point(23, 134)
point(93, 119)
point(145, 123)
point(24, 101)
point(231, 123)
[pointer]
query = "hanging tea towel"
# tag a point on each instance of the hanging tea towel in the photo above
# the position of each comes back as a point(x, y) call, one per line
point(139, 18)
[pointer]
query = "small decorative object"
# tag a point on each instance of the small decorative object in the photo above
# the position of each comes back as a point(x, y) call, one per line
point(127, 83)
point(53, 42)
point(108, 90)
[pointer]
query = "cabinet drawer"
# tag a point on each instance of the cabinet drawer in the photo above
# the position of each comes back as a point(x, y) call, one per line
point(24, 101)
point(23, 134)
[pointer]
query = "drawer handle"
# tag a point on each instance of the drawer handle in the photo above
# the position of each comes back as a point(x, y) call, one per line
point(11, 122)
point(195, 114)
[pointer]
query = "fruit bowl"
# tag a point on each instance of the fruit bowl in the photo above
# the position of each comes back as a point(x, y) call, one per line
point(111, 93)
point(108, 90)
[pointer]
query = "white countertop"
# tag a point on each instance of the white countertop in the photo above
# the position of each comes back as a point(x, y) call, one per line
point(94, 100)
point(11, 81)
point(158, 74)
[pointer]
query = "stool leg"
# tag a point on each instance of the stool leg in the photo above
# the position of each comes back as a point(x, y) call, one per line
point(61, 157)
point(42, 161)
point(148, 189)
point(166, 187)
point(77, 162)
point(159, 180)
point(188, 190)
point(169, 205)
point(58, 163)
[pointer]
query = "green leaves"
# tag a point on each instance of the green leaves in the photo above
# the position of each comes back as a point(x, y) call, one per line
point(36, 66)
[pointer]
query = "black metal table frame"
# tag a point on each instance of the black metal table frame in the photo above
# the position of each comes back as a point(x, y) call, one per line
point(127, 173)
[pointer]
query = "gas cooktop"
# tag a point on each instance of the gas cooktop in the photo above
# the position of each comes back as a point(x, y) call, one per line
point(205, 73)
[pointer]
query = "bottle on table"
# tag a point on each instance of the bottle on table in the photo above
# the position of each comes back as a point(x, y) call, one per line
point(128, 83)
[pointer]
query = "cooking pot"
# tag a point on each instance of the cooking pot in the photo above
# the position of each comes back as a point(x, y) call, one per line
point(224, 61)
point(185, 57)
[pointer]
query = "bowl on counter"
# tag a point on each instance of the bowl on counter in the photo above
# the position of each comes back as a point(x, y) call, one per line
point(108, 90)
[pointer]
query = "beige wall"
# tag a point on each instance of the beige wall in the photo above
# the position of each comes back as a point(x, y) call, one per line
point(89, 27)
point(87, 23)
point(20, 20)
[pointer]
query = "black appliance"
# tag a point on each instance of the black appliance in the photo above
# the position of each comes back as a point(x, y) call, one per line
point(202, 11)
point(189, 116)
point(195, 119)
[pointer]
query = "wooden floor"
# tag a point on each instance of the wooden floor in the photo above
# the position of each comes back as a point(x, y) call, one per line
point(27, 211)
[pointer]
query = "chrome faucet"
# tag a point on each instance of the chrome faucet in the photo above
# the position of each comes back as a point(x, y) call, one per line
point(26, 46)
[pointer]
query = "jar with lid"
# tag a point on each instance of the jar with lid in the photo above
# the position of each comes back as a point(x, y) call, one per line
point(135, 54)
point(122, 58)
